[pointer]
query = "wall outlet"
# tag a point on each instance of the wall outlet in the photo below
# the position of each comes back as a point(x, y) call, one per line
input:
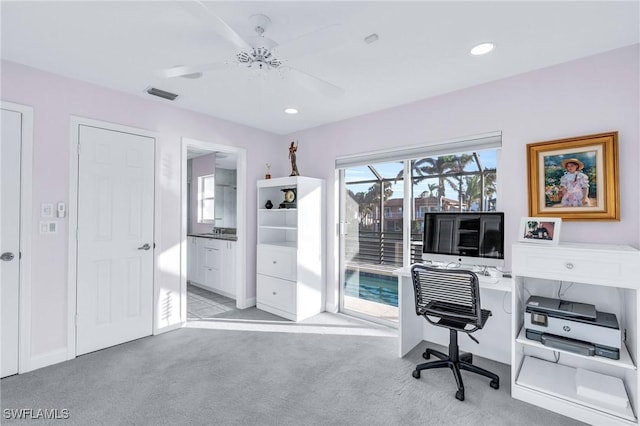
point(48, 227)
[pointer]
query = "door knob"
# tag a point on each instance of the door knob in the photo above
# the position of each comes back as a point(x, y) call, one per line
point(144, 247)
point(7, 256)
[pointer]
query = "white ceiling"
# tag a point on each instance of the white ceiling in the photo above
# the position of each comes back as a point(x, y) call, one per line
point(422, 51)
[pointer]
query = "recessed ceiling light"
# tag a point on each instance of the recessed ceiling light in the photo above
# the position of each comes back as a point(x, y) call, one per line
point(371, 38)
point(291, 110)
point(482, 48)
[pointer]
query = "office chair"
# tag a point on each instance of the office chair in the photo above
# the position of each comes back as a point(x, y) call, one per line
point(450, 298)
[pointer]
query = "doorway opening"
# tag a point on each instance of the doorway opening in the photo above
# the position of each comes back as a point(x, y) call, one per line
point(213, 198)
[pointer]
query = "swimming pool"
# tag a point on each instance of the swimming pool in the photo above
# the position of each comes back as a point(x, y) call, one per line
point(372, 287)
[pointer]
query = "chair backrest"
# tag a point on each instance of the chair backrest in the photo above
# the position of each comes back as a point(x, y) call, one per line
point(450, 294)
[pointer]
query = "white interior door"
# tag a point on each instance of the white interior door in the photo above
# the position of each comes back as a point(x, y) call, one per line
point(115, 238)
point(10, 238)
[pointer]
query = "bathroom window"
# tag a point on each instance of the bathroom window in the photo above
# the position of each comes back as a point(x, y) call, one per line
point(206, 197)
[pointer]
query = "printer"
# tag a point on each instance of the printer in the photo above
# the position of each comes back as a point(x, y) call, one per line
point(572, 326)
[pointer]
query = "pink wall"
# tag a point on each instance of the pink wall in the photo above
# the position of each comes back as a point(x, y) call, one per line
point(591, 95)
point(54, 99)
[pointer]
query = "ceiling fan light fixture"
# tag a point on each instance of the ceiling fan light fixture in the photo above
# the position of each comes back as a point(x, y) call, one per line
point(482, 49)
point(291, 110)
point(260, 57)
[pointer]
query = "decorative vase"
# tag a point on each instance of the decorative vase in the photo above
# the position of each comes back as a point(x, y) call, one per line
point(268, 204)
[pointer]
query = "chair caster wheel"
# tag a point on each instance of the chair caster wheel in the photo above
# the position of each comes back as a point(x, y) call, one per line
point(494, 384)
point(460, 395)
point(426, 355)
point(416, 374)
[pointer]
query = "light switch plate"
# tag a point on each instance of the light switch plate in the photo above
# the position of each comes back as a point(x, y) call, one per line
point(46, 210)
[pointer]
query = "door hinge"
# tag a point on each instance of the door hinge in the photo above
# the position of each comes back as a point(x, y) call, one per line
point(78, 148)
point(342, 228)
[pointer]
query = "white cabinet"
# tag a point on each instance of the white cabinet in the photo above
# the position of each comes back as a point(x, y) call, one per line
point(227, 285)
point(606, 276)
point(214, 265)
point(192, 259)
point(290, 252)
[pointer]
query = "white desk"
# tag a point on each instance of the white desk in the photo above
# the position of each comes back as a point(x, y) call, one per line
point(495, 337)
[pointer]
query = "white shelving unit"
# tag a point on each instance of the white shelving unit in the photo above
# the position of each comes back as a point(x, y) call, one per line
point(607, 276)
point(290, 252)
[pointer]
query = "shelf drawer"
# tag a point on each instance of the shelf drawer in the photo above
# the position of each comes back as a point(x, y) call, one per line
point(279, 262)
point(595, 267)
point(280, 294)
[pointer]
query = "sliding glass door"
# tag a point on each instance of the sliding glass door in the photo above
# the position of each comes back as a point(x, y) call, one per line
point(372, 239)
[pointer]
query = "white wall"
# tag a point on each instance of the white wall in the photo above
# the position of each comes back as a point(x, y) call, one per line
point(54, 100)
point(591, 95)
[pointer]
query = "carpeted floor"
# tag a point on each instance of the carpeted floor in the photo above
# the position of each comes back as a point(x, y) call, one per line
point(329, 370)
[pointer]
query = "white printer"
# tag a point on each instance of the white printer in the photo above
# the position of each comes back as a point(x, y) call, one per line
point(572, 326)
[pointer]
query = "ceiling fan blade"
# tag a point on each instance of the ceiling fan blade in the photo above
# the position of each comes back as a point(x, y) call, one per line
point(313, 42)
point(314, 83)
point(181, 71)
point(200, 11)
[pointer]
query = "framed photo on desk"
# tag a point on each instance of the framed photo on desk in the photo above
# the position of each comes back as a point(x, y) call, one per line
point(540, 230)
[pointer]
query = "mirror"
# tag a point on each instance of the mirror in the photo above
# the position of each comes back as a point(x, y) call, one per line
point(211, 189)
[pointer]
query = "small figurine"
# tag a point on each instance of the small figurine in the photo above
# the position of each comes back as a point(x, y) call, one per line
point(292, 155)
point(268, 175)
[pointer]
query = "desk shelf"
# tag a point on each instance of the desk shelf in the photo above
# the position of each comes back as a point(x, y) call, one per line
point(559, 381)
point(625, 360)
point(602, 275)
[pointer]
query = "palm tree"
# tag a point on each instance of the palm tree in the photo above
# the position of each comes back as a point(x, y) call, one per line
point(473, 189)
point(432, 187)
point(369, 203)
point(435, 167)
point(490, 187)
point(459, 164)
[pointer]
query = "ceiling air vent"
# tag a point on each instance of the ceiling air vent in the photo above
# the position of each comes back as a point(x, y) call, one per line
point(162, 94)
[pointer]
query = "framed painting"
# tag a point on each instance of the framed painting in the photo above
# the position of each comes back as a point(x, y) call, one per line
point(540, 230)
point(574, 178)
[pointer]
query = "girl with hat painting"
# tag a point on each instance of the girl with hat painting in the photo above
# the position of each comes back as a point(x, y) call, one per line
point(574, 185)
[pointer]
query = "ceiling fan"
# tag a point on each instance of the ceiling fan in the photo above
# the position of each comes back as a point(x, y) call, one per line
point(256, 52)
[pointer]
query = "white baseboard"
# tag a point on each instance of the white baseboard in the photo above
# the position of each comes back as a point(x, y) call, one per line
point(171, 327)
point(46, 359)
point(249, 302)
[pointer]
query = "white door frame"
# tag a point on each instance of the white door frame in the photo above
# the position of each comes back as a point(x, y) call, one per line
point(73, 221)
point(26, 179)
point(242, 301)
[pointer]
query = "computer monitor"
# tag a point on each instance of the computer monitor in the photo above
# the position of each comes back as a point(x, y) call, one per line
point(469, 238)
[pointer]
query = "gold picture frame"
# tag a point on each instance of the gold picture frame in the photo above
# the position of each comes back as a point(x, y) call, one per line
point(574, 178)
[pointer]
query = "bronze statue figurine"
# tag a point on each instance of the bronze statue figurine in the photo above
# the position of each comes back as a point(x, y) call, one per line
point(292, 156)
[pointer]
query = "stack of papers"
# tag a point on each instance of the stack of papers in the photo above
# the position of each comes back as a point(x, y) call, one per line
point(600, 387)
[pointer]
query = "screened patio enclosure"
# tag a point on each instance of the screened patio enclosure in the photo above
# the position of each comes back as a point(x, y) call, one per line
point(373, 240)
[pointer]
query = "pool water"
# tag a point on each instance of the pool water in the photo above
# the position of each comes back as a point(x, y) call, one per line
point(372, 287)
